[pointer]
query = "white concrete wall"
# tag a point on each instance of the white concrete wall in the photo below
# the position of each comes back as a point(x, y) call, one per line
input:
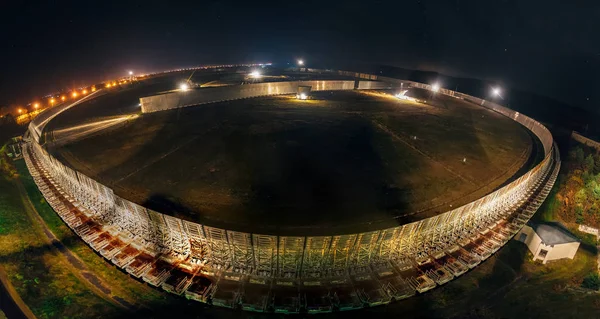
point(532, 241)
point(179, 99)
point(560, 251)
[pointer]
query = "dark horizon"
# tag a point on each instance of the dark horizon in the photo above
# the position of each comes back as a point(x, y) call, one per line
point(546, 49)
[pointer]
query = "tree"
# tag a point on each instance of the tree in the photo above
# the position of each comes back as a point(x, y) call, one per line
point(588, 164)
point(591, 281)
point(593, 210)
point(592, 187)
point(579, 156)
point(579, 215)
point(596, 164)
point(596, 190)
point(587, 177)
point(581, 196)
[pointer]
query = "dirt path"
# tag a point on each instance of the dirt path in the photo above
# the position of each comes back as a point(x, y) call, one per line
point(78, 267)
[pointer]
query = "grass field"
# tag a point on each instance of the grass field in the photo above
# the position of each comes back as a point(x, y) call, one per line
point(42, 278)
point(277, 161)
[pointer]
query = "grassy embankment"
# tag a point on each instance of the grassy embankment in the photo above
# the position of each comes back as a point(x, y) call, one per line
point(46, 281)
point(39, 274)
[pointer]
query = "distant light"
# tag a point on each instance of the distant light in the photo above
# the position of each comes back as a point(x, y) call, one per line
point(402, 96)
point(84, 92)
point(74, 94)
point(300, 62)
point(107, 85)
point(496, 91)
point(435, 87)
point(302, 96)
point(52, 101)
point(130, 72)
point(20, 111)
point(63, 97)
point(114, 84)
point(184, 87)
point(36, 105)
point(93, 89)
point(255, 74)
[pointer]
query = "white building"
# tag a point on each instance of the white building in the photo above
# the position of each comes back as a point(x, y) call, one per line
point(548, 241)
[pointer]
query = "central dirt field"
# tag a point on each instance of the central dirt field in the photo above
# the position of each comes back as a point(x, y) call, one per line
point(342, 162)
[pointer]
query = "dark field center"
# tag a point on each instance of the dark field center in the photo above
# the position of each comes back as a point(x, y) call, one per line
point(346, 161)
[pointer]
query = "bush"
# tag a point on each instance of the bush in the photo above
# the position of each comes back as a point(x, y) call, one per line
point(579, 215)
point(591, 281)
point(589, 163)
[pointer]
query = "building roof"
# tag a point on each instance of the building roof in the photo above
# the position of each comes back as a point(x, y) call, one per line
point(553, 233)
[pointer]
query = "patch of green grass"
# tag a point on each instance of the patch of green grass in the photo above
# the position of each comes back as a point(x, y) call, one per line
point(548, 210)
point(41, 277)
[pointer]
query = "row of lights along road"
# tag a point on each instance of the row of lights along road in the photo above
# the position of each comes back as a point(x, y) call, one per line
point(74, 94)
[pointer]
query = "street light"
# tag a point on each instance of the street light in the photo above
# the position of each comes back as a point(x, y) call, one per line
point(130, 72)
point(255, 74)
point(435, 87)
point(300, 62)
point(36, 105)
point(52, 101)
point(84, 91)
point(20, 111)
point(74, 94)
point(496, 91)
point(184, 87)
point(63, 98)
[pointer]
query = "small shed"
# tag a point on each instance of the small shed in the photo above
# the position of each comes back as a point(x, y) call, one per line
point(548, 241)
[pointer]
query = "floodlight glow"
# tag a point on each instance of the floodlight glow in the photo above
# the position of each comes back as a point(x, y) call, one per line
point(74, 94)
point(402, 96)
point(130, 72)
point(300, 62)
point(36, 105)
point(184, 87)
point(302, 96)
point(435, 87)
point(20, 111)
point(84, 91)
point(496, 91)
point(52, 101)
point(63, 98)
point(255, 74)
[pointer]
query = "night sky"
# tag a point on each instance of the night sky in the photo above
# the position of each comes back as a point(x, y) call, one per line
point(548, 47)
